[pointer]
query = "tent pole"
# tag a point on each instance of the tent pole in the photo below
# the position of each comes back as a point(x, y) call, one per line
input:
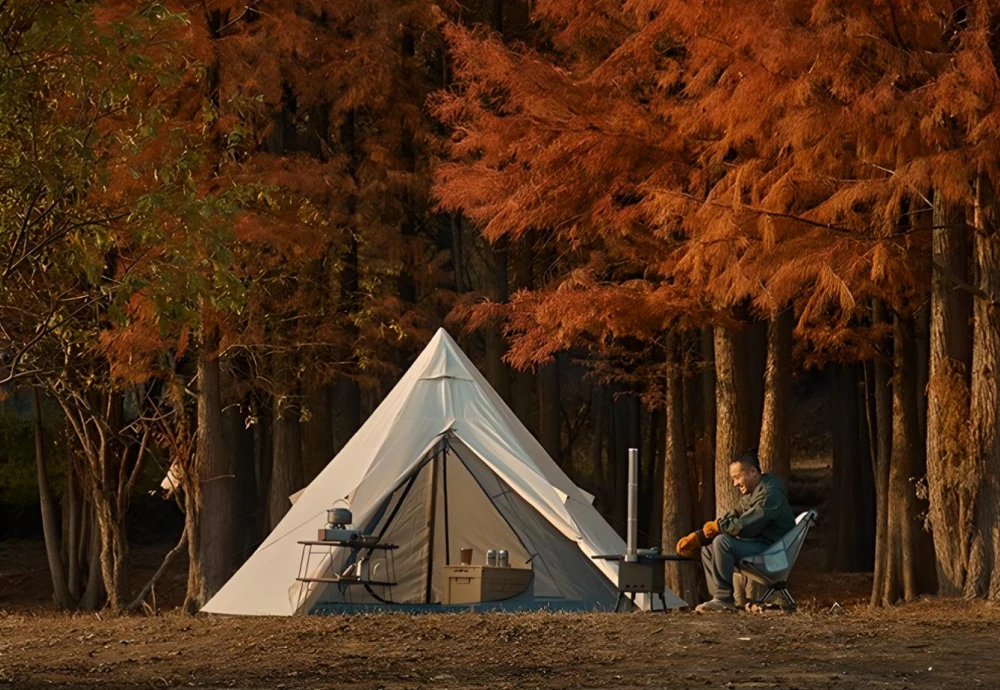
point(444, 485)
point(431, 509)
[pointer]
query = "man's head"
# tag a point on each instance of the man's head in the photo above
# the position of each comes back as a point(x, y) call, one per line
point(744, 470)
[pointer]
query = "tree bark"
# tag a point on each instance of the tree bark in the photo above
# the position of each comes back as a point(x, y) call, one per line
point(850, 548)
point(497, 372)
point(705, 443)
point(50, 523)
point(733, 433)
point(286, 473)
point(94, 592)
point(216, 477)
point(775, 444)
point(247, 506)
point(983, 577)
point(880, 395)
point(598, 424)
point(318, 446)
point(677, 509)
point(949, 464)
point(346, 411)
point(904, 571)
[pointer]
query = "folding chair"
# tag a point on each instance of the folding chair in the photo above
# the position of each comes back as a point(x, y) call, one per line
point(772, 567)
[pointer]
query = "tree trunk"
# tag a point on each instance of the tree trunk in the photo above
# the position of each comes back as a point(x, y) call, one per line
point(704, 447)
point(215, 476)
point(775, 444)
point(733, 412)
point(657, 445)
point(346, 411)
point(240, 439)
point(549, 410)
point(598, 425)
point(677, 510)
point(903, 574)
point(496, 289)
point(114, 553)
point(983, 577)
point(74, 526)
point(94, 592)
point(949, 465)
point(852, 509)
point(754, 342)
point(457, 254)
point(317, 434)
point(286, 473)
point(50, 523)
point(194, 598)
point(880, 395)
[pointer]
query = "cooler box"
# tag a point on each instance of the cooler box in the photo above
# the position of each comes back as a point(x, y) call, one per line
point(471, 584)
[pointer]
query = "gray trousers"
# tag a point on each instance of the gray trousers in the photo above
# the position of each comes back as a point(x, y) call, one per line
point(719, 560)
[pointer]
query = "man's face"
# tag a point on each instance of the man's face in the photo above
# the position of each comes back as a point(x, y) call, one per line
point(745, 479)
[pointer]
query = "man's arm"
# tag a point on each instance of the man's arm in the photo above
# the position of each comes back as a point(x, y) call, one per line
point(762, 511)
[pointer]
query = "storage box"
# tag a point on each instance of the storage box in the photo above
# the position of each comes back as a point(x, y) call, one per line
point(471, 584)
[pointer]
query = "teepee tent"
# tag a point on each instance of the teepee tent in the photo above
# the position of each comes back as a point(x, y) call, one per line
point(442, 464)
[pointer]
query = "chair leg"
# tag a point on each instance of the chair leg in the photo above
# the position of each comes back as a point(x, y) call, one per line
point(788, 597)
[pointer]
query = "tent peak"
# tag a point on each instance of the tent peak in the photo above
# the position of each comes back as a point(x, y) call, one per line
point(443, 359)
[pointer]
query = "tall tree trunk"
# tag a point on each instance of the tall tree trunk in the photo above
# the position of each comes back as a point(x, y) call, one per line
point(50, 523)
point(598, 424)
point(240, 441)
point(949, 464)
point(195, 597)
point(733, 432)
point(346, 411)
point(850, 547)
point(286, 473)
point(496, 289)
point(984, 558)
point(317, 433)
point(754, 341)
point(263, 462)
point(705, 443)
point(657, 446)
point(677, 509)
point(523, 381)
point(906, 556)
point(94, 591)
point(74, 527)
point(215, 475)
point(880, 418)
point(549, 410)
point(775, 444)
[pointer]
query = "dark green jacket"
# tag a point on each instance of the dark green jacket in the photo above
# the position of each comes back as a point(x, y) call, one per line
point(763, 515)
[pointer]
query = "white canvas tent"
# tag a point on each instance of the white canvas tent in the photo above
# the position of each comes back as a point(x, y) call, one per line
point(442, 432)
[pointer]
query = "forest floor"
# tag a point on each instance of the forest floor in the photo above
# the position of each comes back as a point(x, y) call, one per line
point(929, 644)
point(832, 641)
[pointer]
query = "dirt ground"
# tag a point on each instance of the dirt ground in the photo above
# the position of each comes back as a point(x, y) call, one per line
point(950, 644)
point(833, 641)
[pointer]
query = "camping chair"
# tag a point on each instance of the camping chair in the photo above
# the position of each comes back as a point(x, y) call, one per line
point(772, 567)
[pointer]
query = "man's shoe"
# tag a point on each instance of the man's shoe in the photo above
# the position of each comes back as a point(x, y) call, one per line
point(716, 606)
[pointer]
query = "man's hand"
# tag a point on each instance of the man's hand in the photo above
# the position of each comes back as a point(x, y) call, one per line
point(690, 545)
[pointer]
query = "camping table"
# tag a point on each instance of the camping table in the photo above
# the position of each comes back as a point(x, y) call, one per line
point(656, 584)
point(309, 548)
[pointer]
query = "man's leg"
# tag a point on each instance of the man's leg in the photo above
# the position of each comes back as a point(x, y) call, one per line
point(719, 560)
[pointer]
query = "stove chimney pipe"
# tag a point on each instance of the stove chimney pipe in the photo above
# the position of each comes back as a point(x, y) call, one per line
point(633, 505)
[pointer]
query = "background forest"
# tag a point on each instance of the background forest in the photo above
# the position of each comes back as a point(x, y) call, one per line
point(228, 227)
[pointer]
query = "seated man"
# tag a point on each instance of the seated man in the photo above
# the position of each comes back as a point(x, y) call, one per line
point(761, 517)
